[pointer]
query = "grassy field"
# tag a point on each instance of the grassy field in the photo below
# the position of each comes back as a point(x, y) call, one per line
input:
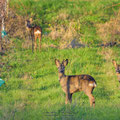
point(32, 90)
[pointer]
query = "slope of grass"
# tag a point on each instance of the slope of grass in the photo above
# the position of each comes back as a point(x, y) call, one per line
point(32, 90)
point(58, 14)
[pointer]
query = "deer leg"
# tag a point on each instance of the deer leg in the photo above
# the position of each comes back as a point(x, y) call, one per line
point(66, 101)
point(91, 99)
point(32, 43)
point(35, 43)
point(70, 98)
point(119, 84)
point(88, 92)
point(67, 98)
point(39, 42)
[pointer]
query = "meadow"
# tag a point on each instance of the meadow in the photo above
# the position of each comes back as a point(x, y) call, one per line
point(32, 90)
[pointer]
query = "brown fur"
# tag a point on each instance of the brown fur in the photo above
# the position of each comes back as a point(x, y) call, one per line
point(75, 83)
point(32, 31)
point(117, 68)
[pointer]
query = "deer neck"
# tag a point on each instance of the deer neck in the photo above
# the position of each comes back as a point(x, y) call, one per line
point(29, 25)
point(61, 75)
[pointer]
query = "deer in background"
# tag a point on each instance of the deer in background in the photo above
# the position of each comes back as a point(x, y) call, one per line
point(35, 32)
point(74, 83)
point(117, 68)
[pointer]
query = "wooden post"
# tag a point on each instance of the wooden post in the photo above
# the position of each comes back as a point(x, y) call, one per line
point(0, 35)
point(2, 15)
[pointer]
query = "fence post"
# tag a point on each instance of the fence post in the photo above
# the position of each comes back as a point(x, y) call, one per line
point(0, 35)
point(3, 10)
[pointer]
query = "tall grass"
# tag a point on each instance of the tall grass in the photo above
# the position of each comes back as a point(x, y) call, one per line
point(32, 90)
point(56, 16)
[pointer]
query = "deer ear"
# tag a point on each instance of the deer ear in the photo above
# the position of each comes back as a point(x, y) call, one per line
point(65, 62)
point(31, 20)
point(114, 63)
point(57, 62)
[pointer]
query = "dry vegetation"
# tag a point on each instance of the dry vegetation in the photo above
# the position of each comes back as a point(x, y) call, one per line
point(15, 26)
point(110, 31)
point(65, 33)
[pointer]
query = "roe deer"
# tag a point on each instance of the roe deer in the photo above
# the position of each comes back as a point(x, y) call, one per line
point(117, 67)
point(74, 83)
point(35, 32)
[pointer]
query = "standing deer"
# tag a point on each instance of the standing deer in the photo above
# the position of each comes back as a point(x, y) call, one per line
point(35, 33)
point(117, 67)
point(74, 83)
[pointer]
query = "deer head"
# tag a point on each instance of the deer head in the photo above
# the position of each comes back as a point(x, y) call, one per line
point(117, 68)
point(61, 66)
point(28, 22)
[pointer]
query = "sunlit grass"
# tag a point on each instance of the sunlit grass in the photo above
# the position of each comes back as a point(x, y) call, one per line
point(32, 90)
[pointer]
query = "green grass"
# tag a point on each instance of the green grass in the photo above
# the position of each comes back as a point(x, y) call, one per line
point(85, 13)
point(32, 90)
